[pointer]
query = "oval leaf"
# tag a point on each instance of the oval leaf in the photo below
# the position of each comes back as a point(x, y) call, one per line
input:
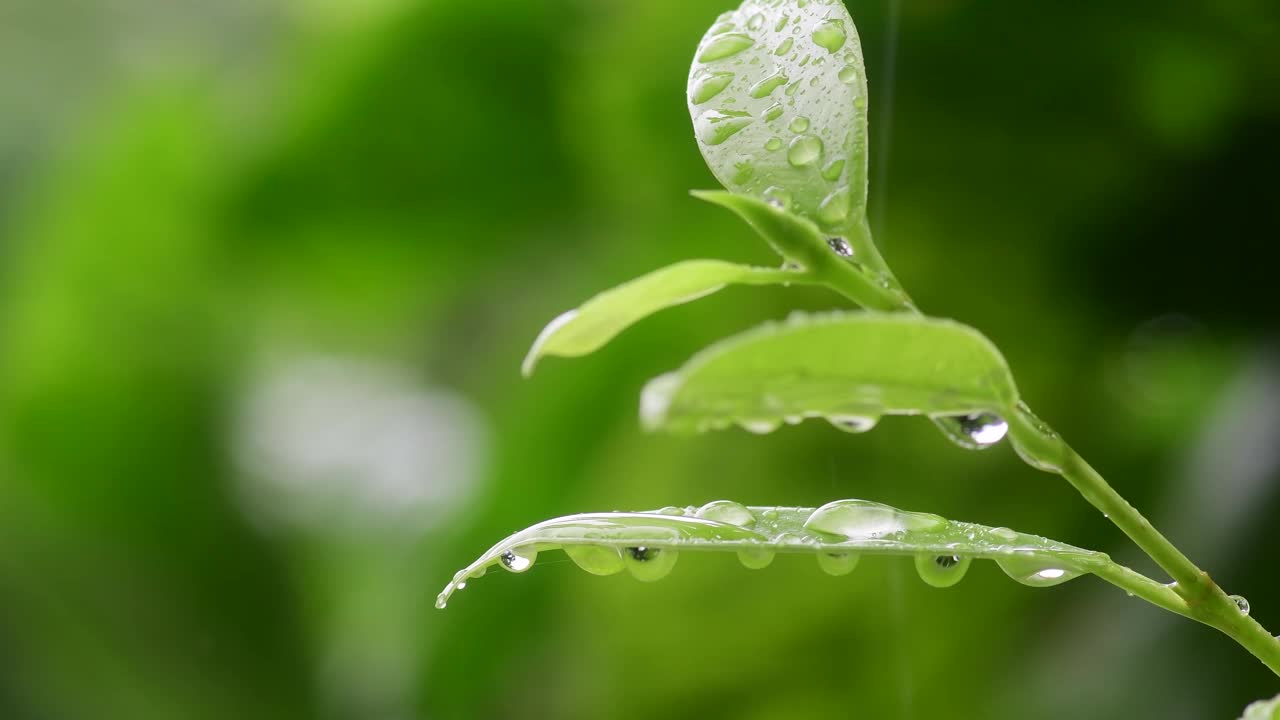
point(1263, 710)
point(850, 368)
point(778, 97)
point(647, 543)
point(589, 327)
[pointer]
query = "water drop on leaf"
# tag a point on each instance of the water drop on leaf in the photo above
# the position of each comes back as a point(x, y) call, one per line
point(785, 45)
point(756, 21)
point(830, 35)
point(595, 559)
point(852, 423)
point(976, 431)
point(649, 564)
point(709, 86)
point(804, 150)
point(727, 511)
point(1241, 604)
point(755, 559)
point(840, 246)
point(519, 560)
point(1036, 572)
point(723, 46)
point(773, 144)
point(861, 519)
point(768, 85)
point(942, 571)
point(799, 125)
point(838, 563)
point(716, 126)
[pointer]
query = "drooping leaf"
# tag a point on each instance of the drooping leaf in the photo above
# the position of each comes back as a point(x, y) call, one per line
point(589, 327)
point(850, 368)
point(647, 543)
point(1263, 710)
point(778, 96)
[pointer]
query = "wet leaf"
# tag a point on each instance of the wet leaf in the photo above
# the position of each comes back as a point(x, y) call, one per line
point(1263, 710)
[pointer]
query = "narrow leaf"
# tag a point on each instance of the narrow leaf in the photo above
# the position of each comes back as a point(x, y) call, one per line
point(587, 328)
point(1263, 710)
point(850, 368)
point(778, 97)
point(647, 543)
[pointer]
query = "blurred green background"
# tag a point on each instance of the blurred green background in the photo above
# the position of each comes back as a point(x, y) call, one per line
point(267, 272)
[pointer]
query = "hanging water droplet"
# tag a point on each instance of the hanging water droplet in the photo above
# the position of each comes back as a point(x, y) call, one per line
point(1241, 604)
point(756, 21)
point(755, 558)
point(852, 423)
point(830, 35)
point(595, 559)
point(727, 511)
point(709, 85)
point(723, 46)
point(759, 427)
point(976, 431)
point(768, 84)
point(942, 571)
point(838, 563)
point(849, 73)
point(462, 585)
point(832, 171)
point(649, 564)
point(773, 144)
point(834, 209)
point(773, 112)
point(861, 519)
point(840, 246)
point(799, 125)
point(1036, 572)
point(519, 559)
point(716, 126)
point(804, 151)
point(778, 197)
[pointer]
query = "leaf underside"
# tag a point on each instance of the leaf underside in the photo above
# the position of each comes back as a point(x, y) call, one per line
point(848, 367)
point(604, 543)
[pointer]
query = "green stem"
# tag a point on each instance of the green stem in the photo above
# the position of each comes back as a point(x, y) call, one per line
point(1193, 593)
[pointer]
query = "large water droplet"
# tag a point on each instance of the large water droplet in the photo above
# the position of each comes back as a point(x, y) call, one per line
point(756, 21)
point(519, 559)
point(832, 171)
point(1036, 572)
point(759, 427)
point(595, 559)
point(976, 431)
point(838, 563)
point(830, 35)
point(755, 558)
point(724, 46)
point(727, 511)
point(863, 519)
point(804, 150)
point(1241, 604)
point(768, 84)
point(799, 125)
point(840, 246)
point(709, 85)
point(834, 209)
point(773, 144)
point(785, 45)
point(716, 126)
point(942, 571)
point(849, 73)
point(773, 112)
point(852, 423)
point(649, 564)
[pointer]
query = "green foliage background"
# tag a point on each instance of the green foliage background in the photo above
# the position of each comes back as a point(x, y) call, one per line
point(191, 194)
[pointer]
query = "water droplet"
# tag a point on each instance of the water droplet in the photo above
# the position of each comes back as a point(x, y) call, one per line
point(804, 150)
point(773, 112)
point(709, 85)
point(791, 90)
point(768, 84)
point(799, 125)
point(805, 61)
point(759, 427)
point(727, 511)
point(777, 27)
point(840, 246)
point(834, 209)
point(1036, 572)
point(1004, 533)
point(942, 571)
point(976, 431)
point(861, 519)
point(519, 559)
point(756, 21)
point(773, 143)
point(716, 126)
point(778, 197)
point(832, 171)
point(649, 564)
point(742, 172)
point(723, 46)
point(830, 35)
point(852, 423)
point(755, 558)
point(849, 73)
point(838, 563)
point(722, 27)
point(462, 585)
point(595, 559)
point(1241, 604)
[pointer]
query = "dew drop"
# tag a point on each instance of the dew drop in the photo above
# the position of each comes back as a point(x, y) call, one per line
point(1036, 572)
point(773, 112)
point(834, 209)
point(1004, 533)
point(792, 89)
point(462, 585)
point(756, 21)
point(832, 171)
point(768, 85)
point(976, 431)
point(595, 559)
point(804, 151)
point(723, 46)
point(838, 563)
point(852, 423)
point(862, 519)
point(742, 172)
point(942, 571)
point(727, 511)
point(759, 427)
point(782, 22)
point(830, 35)
point(849, 73)
point(755, 558)
point(716, 126)
point(1241, 604)
point(799, 125)
point(519, 559)
point(710, 85)
point(649, 564)
point(778, 197)
point(773, 144)
point(840, 246)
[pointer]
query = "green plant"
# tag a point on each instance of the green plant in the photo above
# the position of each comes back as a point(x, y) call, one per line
point(778, 97)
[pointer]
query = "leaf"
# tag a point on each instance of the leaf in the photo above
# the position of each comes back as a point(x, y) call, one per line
point(850, 368)
point(587, 328)
point(778, 96)
point(1263, 710)
point(647, 543)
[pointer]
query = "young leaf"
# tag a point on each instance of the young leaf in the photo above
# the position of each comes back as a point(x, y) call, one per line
point(587, 328)
point(778, 97)
point(647, 543)
point(1263, 710)
point(850, 368)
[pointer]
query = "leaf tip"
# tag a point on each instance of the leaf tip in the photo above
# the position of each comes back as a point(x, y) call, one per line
point(655, 400)
point(539, 347)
